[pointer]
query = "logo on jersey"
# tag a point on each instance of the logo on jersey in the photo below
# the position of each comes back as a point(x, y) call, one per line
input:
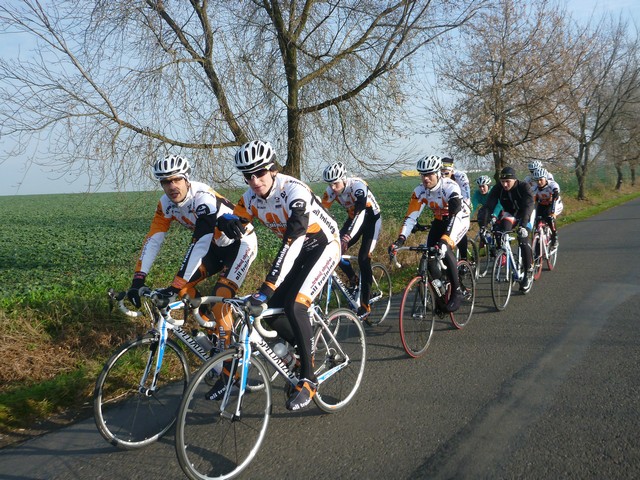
point(296, 204)
point(202, 210)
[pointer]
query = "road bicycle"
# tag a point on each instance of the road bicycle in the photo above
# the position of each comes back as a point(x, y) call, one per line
point(138, 391)
point(219, 438)
point(486, 241)
point(426, 296)
point(336, 292)
point(507, 270)
point(542, 248)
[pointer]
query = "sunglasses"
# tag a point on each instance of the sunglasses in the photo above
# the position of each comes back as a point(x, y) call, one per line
point(250, 176)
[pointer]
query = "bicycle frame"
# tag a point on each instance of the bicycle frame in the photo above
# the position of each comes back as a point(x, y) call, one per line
point(251, 339)
point(162, 325)
point(514, 262)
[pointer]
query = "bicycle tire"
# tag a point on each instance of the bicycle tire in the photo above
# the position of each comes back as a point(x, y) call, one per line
point(126, 417)
point(552, 254)
point(461, 317)
point(213, 444)
point(501, 281)
point(473, 256)
point(484, 259)
point(337, 390)
point(417, 317)
point(334, 301)
point(537, 249)
point(380, 301)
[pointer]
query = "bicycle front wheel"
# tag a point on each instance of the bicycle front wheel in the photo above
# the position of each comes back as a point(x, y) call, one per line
point(538, 250)
point(552, 256)
point(219, 438)
point(473, 256)
point(127, 412)
point(501, 281)
point(340, 357)
point(380, 300)
point(417, 317)
point(461, 317)
point(484, 259)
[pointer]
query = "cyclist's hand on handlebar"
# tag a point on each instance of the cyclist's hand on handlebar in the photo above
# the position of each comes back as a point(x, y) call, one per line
point(133, 294)
point(523, 232)
point(441, 250)
point(344, 243)
point(393, 248)
point(232, 225)
point(256, 304)
point(163, 296)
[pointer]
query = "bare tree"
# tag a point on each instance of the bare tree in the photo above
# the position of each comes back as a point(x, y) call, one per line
point(113, 84)
point(501, 94)
point(604, 86)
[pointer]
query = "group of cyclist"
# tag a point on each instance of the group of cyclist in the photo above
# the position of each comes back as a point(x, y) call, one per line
point(224, 242)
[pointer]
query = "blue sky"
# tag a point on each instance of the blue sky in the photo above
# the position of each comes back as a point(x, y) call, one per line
point(19, 177)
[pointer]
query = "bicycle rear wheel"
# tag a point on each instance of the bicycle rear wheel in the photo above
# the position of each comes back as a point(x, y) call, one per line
point(537, 249)
point(126, 413)
point(417, 317)
point(218, 439)
point(461, 317)
point(501, 282)
point(380, 300)
point(340, 358)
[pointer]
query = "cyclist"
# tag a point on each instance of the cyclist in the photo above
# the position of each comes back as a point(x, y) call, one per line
point(479, 199)
point(463, 182)
point(517, 203)
point(363, 221)
point(532, 166)
point(197, 207)
point(308, 255)
point(451, 220)
point(548, 201)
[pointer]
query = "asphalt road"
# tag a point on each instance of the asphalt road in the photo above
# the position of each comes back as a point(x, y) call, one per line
point(549, 388)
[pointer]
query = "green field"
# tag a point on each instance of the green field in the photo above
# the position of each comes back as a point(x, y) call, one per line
point(59, 254)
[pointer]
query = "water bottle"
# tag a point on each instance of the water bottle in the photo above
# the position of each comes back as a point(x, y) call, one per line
point(202, 339)
point(222, 337)
point(438, 286)
point(283, 352)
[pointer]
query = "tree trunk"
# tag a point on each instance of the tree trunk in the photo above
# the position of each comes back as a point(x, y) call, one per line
point(633, 175)
point(619, 180)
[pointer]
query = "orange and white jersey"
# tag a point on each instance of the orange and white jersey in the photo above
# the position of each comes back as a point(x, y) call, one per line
point(295, 214)
point(201, 202)
point(356, 198)
point(549, 195)
point(437, 199)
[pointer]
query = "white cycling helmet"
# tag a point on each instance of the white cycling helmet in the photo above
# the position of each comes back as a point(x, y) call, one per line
point(334, 172)
point(172, 166)
point(429, 164)
point(483, 180)
point(254, 156)
point(534, 164)
point(539, 173)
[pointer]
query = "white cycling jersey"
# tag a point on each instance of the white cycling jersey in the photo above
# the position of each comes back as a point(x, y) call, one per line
point(295, 214)
point(201, 201)
point(356, 198)
point(549, 195)
point(437, 199)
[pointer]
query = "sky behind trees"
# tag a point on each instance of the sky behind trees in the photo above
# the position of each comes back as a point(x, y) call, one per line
point(21, 177)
